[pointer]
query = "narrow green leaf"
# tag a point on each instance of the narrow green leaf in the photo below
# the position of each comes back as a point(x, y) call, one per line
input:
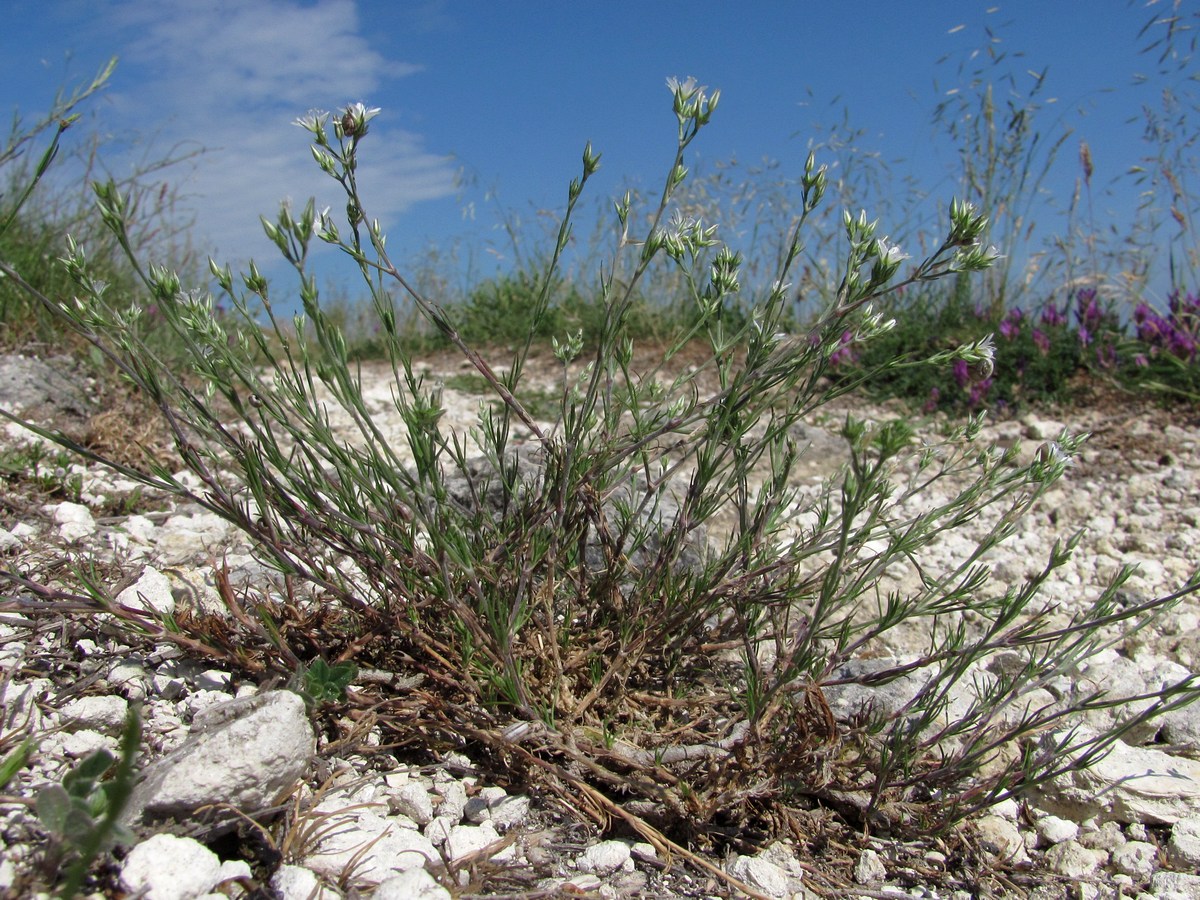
point(15, 761)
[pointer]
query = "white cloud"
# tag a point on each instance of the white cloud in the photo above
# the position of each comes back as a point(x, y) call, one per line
point(232, 76)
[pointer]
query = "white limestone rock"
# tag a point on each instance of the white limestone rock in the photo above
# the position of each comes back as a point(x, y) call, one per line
point(106, 713)
point(1055, 830)
point(244, 754)
point(1183, 847)
point(1118, 675)
point(1130, 784)
point(869, 868)
point(1181, 727)
point(510, 812)
point(139, 530)
point(1073, 860)
point(415, 884)
point(378, 847)
point(411, 799)
point(465, 840)
point(78, 744)
point(1039, 429)
point(1175, 886)
point(584, 883)
point(604, 858)
point(150, 592)
point(1106, 836)
point(50, 387)
point(196, 589)
point(74, 521)
point(438, 829)
point(849, 699)
point(21, 703)
point(644, 851)
point(9, 542)
point(298, 883)
point(130, 677)
point(167, 867)
point(1138, 859)
point(479, 808)
point(761, 874)
point(476, 810)
point(1004, 836)
point(454, 800)
point(183, 538)
point(232, 870)
point(214, 680)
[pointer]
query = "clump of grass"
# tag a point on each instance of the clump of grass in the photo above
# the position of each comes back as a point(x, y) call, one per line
point(30, 244)
point(635, 606)
point(35, 214)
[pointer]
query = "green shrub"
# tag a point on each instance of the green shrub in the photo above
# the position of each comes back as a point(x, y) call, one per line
point(1164, 354)
point(637, 605)
point(1038, 355)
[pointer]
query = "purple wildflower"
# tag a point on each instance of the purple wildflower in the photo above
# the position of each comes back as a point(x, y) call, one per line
point(1010, 326)
point(1052, 317)
point(1041, 341)
point(1188, 305)
point(844, 353)
point(1087, 309)
point(979, 392)
point(1177, 333)
point(1182, 344)
point(962, 372)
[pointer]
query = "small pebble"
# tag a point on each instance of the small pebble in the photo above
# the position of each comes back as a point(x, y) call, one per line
point(1183, 847)
point(1073, 860)
point(604, 858)
point(869, 868)
point(1053, 830)
point(1138, 859)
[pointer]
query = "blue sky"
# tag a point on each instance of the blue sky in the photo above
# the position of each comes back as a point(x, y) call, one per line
point(507, 93)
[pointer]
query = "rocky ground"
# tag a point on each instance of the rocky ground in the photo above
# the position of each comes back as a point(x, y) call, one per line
point(355, 818)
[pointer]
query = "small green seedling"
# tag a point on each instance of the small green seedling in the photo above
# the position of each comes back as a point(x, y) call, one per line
point(324, 683)
point(81, 813)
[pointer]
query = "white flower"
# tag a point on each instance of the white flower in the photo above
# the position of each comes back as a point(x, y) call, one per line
point(365, 113)
point(691, 99)
point(355, 118)
point(313, 121)
point(692, 231)
point(687, 87)
point(986, 348)
point(981, 355)
point(888, 253)
point(1052, 452)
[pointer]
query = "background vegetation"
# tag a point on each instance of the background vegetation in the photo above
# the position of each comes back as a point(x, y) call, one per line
point(1067, 304)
